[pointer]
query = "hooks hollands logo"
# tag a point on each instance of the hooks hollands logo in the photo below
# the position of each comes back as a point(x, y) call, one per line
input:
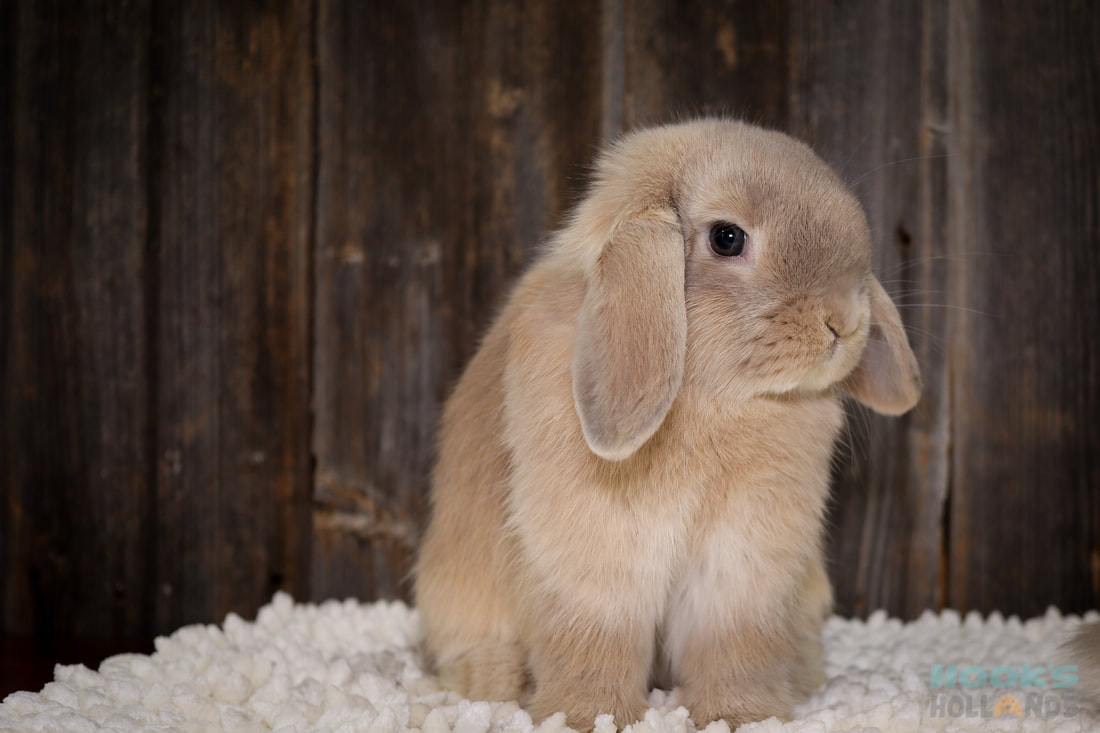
point(1034, 695)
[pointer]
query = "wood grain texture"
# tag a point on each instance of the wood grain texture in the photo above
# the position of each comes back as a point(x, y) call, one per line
point(247, 248)
point(684, 59)
point(75, 400)
point(1025, 513)
point(891, 483)
point(13, 553)
point(386, 153)
point(433, 201)
point(231, 175)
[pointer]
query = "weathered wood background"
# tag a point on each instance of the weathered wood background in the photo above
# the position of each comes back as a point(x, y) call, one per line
point(245, 249)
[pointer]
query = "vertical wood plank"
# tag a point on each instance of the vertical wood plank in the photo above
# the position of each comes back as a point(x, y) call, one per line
point(868, 93)
point(385, 155)
point(1025, 513)
point(232, 178)
point(685, 59)
point(12, 540)
point(74, 375)
point(437, 181)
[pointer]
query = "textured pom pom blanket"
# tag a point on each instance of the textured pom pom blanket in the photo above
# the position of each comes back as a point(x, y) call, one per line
point(354, 667)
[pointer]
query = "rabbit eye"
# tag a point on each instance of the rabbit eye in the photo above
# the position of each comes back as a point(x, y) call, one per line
point(727, 240)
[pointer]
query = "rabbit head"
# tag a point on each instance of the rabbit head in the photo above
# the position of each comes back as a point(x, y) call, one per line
point(729, 260)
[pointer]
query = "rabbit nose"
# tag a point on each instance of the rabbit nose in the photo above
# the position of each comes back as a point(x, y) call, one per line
point(842, 314)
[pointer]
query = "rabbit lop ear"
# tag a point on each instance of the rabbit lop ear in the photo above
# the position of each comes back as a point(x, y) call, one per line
point(628, 358)
point(887, 378)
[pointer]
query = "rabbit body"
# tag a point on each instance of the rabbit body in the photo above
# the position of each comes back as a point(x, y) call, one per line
point(1082, 649)
point(634, 467)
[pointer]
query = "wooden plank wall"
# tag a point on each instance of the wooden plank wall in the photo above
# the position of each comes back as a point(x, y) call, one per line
point(155, 439)
point(246, 248)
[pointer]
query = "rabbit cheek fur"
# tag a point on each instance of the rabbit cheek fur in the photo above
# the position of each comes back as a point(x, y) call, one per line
point(634, 466)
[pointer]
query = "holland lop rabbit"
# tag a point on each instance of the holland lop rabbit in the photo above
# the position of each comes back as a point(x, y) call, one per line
point(1083, 649)
point(633, 468)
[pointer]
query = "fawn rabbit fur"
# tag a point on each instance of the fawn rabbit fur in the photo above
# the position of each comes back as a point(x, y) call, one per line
point(1083, 649)
point(633, 468)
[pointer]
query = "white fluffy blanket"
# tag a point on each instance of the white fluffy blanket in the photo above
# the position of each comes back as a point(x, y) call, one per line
point(353, 667)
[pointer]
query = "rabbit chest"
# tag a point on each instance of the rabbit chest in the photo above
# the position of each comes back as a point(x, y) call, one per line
point(723, 505)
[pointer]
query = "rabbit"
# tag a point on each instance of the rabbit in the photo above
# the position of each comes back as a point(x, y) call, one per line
point(633, 468)
point(1082, 649)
